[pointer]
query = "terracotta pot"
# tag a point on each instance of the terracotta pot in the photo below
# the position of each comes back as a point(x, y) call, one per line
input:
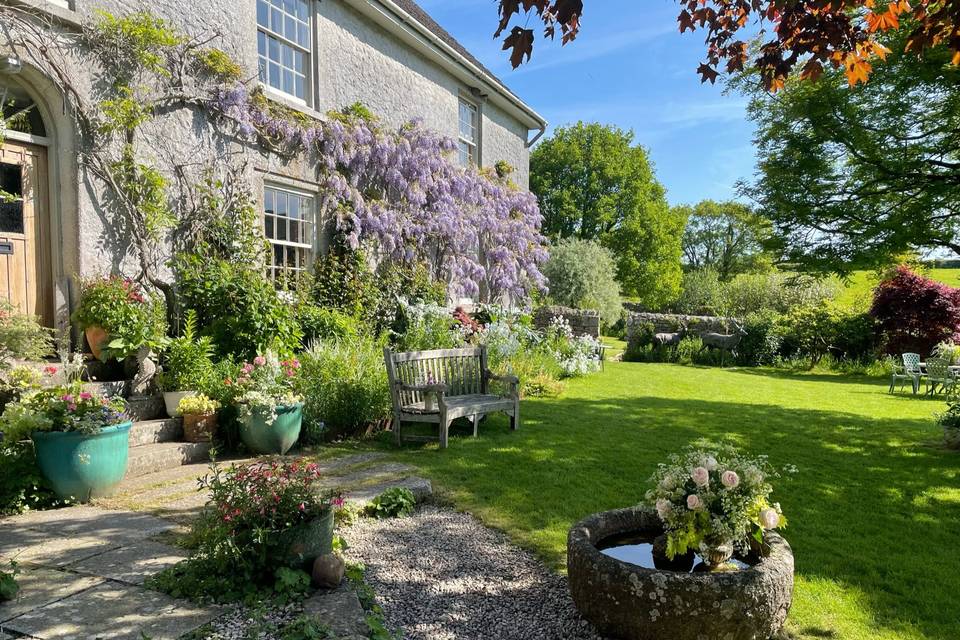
point(97, 338)
point(199, 427)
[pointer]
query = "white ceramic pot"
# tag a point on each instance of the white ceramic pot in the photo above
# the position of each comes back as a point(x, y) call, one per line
point(172, 400)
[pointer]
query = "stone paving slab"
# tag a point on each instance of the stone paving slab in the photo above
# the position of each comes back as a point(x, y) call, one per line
point(368, 475)
point(421, 488)
point(334, 465)
point(40, 586)
point(113, 611)
point(133, 564)
point(52, 551)
point(88, 520)
point(340, 610)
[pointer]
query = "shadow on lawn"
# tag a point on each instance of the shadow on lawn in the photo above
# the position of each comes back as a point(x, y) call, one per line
point(867, 508)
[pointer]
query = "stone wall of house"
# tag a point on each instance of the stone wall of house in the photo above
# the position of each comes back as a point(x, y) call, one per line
point(582, 321)
point(672, 322)
point(355, 61)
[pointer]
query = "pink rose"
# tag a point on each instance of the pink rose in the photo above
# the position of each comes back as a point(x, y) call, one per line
point(769, 519)
point(663, 508)
point(259, 361)
point(701, 477)
point(730, 479)
point(247, 368)
point(85, 396)
point(694, 502)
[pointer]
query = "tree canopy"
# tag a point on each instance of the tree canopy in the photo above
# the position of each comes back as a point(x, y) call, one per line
point(582, 275)
point(727, 237)
point(594, 183)
point(854, 177)
point(809, 34)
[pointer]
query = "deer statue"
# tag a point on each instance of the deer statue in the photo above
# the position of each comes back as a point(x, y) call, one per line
point(670, 339)
point(724, 341)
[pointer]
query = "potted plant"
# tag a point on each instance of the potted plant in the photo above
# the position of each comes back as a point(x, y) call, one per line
point(950, 421)
point(270, 412)
point(274, 513)
point(714, 502)
point(187, 365)
point(81, 439)
point(117, 318)
point(199, 417)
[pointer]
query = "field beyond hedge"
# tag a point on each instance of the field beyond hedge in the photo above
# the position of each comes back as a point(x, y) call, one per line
point(858, 290)
point(874, 511)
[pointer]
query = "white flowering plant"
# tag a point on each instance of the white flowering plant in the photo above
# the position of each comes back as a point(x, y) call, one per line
point(265, 384)
point(577, 355)
point(715, 495)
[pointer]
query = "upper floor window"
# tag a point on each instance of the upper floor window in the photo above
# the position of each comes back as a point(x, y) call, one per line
point(284, 45)
point(469, 136)
point(289, 222)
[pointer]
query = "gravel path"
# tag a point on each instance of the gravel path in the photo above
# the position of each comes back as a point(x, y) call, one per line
point(441, 575)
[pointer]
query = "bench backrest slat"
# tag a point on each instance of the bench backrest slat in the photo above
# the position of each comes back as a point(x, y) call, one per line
point(460, 369)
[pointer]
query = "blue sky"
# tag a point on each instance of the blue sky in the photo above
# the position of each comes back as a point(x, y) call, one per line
point(632, 68)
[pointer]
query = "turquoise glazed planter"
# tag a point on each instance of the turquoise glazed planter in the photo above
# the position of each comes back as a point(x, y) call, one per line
point(276, 438)
point(82, 466)
point(306, 542)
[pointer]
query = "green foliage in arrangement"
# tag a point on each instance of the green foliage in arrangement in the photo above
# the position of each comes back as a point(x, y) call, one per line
point(187, 360)
point(582, 274)
point(344, 388)
point(396, 502)
point(22, 336)
point(121, 308)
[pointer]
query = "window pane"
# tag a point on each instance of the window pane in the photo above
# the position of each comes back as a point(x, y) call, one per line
point(268, 197)
point(290, 28)
point(300, 90)
point(263, 13)
point(274, 75)
point(286, 56)
point(281, 203)
point(274, 49)
point(293, 207)
point(268, 227)
point(303, 36)
point(278, 254)
point(288, 85)
point(302, 10)
point(281, 229)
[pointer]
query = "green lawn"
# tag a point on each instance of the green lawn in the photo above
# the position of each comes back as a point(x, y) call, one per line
point(874, 511)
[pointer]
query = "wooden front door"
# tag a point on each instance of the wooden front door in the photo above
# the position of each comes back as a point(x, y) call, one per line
point(25, 275)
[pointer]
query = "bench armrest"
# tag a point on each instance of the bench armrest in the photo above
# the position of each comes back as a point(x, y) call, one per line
point(438, 388)
point(508, 378)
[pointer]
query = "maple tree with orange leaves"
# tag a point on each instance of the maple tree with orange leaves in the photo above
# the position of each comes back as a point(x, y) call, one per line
point(808, 34)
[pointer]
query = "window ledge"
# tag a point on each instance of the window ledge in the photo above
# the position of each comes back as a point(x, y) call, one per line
point(67, 17)
point(290, 102)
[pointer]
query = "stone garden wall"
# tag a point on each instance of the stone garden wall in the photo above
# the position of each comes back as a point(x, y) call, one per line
point(671, 322)
point(582, 321)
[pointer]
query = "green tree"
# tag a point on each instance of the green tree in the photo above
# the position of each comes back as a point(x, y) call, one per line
point(582, 275)
point(852, 177)
point(727, 237)
point(594, 183)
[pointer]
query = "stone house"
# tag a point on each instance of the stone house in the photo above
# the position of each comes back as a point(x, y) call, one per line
point(310, 55)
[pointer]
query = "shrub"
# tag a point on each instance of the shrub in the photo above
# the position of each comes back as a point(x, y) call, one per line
point(582, 275)
point(187, 360)
point(950, 422)
point(426, 326)
point(317, 323)
point(915, 313)
point(21, 336)
point(241, 534)
point(22, 486)
point(762, 344)
point(640, 342)
point(395, 502)
point(751, 293)
point(689, 350)
point(236, 306)
point(119, 306)
point(8, 582)
point(344, 281)
point(948, 349)
point(701, 293)
point(576, 355)
point(344, 387)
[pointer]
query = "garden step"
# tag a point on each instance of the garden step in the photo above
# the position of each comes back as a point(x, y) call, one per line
point(141, 408)
point(153, 431)
point(151, 458)
point(113, 389)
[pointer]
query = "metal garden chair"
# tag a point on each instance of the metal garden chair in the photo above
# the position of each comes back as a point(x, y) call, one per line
point(909, 371)
point(938, 373)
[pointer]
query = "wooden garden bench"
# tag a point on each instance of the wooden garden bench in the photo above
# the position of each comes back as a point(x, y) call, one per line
point(442, 385)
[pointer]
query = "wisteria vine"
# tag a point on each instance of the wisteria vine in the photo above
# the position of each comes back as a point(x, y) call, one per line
point(401, 192)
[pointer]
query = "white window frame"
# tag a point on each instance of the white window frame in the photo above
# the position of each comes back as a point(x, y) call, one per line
point(308, 236)
point(472, 146)
point(266, 33)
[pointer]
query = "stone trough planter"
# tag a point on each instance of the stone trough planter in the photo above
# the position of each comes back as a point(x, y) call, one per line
point(628, 601)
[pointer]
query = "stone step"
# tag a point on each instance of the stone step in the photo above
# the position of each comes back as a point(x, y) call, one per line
point(151, 458)
point(141, 408)
point(154, 431)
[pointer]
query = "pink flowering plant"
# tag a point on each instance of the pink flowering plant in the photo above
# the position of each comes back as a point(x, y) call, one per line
point(250, 507)
point(63, 408)
point(265, 384)
point(715, 495)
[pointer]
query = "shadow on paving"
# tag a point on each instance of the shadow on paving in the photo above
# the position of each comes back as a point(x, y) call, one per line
point(867, 508)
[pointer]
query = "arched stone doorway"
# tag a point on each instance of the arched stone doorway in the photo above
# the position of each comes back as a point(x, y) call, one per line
point(35, 263)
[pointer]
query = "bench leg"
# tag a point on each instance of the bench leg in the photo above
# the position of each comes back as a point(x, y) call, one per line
point(396, 428)
point(476, 423)
point(444, 430)
point(515, 418)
